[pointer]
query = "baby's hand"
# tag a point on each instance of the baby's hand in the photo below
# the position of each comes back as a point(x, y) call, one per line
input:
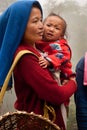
point(74, 79)
point(43, 62)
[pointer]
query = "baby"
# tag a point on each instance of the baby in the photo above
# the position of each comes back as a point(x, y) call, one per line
point(56, 53)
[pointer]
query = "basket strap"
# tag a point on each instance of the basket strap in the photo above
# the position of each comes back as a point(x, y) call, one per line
point(48, 109)
point(5, 84)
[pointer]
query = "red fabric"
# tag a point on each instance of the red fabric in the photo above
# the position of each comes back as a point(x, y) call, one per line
point(60, 54)
point(34, 85)
point(85, 70)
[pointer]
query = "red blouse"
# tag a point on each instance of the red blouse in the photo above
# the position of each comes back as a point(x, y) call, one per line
point(34, 85)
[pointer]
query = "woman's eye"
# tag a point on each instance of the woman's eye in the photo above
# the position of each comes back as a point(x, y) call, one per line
point(35, 21)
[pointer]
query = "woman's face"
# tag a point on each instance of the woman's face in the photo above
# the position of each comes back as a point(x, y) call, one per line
point(34, 28)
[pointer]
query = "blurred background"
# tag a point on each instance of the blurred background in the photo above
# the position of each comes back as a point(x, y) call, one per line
point(75, 14)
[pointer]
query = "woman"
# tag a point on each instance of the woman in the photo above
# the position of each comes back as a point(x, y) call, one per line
point(33, 84)
point(81, 94)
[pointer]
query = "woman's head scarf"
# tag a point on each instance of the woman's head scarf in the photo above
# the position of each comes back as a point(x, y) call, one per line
point(13, 23)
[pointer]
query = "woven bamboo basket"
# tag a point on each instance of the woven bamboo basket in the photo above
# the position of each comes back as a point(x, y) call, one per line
point(20, 120)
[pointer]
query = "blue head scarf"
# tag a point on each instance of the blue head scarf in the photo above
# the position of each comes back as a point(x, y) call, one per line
point(13, 22)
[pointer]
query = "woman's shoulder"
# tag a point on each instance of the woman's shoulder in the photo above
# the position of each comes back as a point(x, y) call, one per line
point(26, 47)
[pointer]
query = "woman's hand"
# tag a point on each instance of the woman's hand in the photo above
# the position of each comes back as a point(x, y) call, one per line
point(64, 82)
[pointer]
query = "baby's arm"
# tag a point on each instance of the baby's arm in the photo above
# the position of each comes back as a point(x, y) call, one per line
point(44, 63)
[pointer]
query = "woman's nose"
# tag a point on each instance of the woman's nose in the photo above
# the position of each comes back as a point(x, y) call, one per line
point(41, 25)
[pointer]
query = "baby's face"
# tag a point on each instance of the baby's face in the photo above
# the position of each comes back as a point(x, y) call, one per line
point(53, 28)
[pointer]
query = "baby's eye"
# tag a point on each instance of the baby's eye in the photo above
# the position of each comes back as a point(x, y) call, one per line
point(48, 25)
point(41, 20)
point(57, 28)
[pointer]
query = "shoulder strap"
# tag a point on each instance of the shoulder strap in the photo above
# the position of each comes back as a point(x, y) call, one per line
point(18, 56)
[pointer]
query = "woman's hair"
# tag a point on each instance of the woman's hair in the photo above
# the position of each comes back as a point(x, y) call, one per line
point(37, 5)
point(64, 22)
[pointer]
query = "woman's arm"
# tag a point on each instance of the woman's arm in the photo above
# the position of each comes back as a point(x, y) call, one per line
point(42, 81)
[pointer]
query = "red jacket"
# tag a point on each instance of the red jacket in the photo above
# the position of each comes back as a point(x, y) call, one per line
point(59, 54)
point(34, 85)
